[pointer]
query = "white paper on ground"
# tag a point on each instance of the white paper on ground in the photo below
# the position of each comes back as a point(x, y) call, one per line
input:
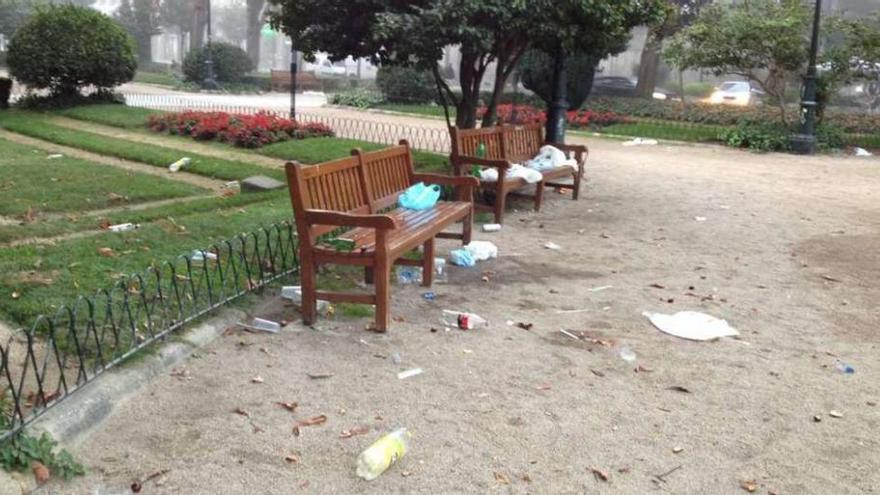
point(691, 325)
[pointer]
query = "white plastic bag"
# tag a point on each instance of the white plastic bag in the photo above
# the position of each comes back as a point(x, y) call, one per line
point(482, 250)
point(691, 325)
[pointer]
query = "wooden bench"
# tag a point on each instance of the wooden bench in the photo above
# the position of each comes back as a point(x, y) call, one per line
point(506, 145)
point(280, 80)
point(360, 193)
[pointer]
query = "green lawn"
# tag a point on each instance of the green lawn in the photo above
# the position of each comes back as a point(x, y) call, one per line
point(46, 276)
point(666, 130)
point(113, 115)
point(32, 181)
point(35, 125)
point(317, 150)
point(158, 78)
point(424, 110)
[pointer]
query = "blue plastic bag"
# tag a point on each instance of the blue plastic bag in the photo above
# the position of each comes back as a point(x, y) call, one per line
point(462, 257)
point(419, 197)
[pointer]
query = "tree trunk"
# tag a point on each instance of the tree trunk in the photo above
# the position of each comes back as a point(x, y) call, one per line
point(648, 64)
point(200, 22)
point(254, 25)
point(491, 115)
point(555, 128)
point(470, 79)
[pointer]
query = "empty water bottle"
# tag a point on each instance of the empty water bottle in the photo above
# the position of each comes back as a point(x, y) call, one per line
point(409, 275)
point(464, 321)
point(382, 454)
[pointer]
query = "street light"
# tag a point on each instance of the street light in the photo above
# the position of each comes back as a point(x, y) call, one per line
point(209, 82)
point(804, 142)
point(293, 70)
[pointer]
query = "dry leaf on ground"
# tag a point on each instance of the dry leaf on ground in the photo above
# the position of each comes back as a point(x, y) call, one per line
point(501, 478)
point(749, 486)
point(290, 406)
point(599, 474)
point(41, 472)
point(357, 430)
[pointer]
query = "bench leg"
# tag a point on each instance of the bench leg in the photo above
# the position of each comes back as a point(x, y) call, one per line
point(428, 263)
point(308, 275)
point(468, 227)
point(382, 275)
point(578, 178)
point(500, 199)
point(368, 275)
point(539, 195)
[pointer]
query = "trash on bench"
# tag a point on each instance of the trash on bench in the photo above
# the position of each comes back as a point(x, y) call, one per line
point(691, 325)
point(419, 196)
point(179, 164)
point(384, 452)
point(516, 170)
point(464, 321)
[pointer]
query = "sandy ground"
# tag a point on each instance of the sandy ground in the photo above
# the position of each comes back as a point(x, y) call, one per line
point(789, 253)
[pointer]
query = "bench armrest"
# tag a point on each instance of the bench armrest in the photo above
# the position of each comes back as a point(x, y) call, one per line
point(463, 160)
point(326, 217)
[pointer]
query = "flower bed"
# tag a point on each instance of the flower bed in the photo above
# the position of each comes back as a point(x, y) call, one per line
point(576, 119)
point(245, 131)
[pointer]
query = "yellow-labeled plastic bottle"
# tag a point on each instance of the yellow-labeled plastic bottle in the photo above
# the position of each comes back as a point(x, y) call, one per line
point(382, 454)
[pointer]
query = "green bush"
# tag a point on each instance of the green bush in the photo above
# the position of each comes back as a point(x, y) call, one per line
point(406, 85)
point(358, 98)
point(230, 63)
point(699, 89)
point(830, 137)
point(536, 69)
point(64, 47)
point(35, 101)
point(5, 92)
point(757, 135)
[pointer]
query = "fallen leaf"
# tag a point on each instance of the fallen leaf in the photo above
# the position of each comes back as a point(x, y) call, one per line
point(318, 376)
point(41, 472)
point(313, 421)
point(599, 474)
point(292, 459)
point(290, 406)
point(525, 326)
point(241, 412)
point(679, 388)
point(357, 430)
point(597, 373)
point(501, 478)
point(257, 379)
point(749, 486)
point(296, 430)
point(106, 252)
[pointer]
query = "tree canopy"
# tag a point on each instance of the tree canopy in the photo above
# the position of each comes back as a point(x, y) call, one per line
point(415, 33)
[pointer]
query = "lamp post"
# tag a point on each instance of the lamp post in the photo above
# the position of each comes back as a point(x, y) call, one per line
point(293, 71)
point(210, 82)
point(555, 130)
point(804, 142)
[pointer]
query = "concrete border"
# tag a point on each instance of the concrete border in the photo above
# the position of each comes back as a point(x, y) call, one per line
point(87, 408)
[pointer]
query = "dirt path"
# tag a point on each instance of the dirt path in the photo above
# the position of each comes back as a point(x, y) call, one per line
point(169, 142)
point(787, 249)
point(196, 180)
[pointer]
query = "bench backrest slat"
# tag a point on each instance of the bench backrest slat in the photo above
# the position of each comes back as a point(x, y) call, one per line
point(505, 142)
point(388, 173)
point(521, 142)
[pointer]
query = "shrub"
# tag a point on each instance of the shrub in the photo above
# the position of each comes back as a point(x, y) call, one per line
point(536, 69)
point(64, 47)
point(757, 135)
point(576, 119)
point(358, 98)
point(406, 85)
point(830, 137)
point(5, 92)
point(230, 63)
point(699, 89)
point(245, 131)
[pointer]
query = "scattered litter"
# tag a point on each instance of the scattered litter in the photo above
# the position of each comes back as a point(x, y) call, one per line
point(396, 358)
point(176, 166)
point(464, 321)
point(566, 332)
point(570, 311)
point(317, 420)
point(106, 252)
point(525, 326)
point(440, 269)
point(627, 354)
point(845, 368)
point(662, 477)
point(835, 414)
point(384, 452)
point(55, 156)
point(553, 246)
point(357, 430)
point(831, 279)
point(641, 142)
point(679, 388)
point(419, 196)
point(241, 412)
point(462, 257)
point(597, 373)
point(491, 227)
point(600, 289)
point(138, 485)
point(291, 459)
point(200, 256)
point(691, 325)
point(403, 375)
point(429, 296)
point(290, 406)
point(500, 478)
point(123, 227)
point(510, 323)
point(257, 379)
point(409, 275)
point(861, 152)
point(599, 474)
point(700, 219)
point(482, 250)
point(233, 184)
point(677, 450)
point(293, 293)
point(817, 419)
point(749, 486)
point(657, 286)
point(261, 325)
point(319, 376)
point(642, 369)
point(41, 472)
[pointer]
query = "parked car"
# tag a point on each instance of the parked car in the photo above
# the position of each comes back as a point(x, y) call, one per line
point(623, 86)
point(737, 93)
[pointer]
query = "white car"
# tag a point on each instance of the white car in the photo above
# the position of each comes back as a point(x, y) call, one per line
point(738, 93)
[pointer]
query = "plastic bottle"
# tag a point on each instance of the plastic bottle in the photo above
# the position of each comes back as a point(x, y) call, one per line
point(481, 153)
point(123, 227)
point(845, 368)
point(464, 321)
point(382, 454)
point(176, 166)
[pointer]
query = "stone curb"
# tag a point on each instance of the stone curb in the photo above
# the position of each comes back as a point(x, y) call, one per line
point(88, 407)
